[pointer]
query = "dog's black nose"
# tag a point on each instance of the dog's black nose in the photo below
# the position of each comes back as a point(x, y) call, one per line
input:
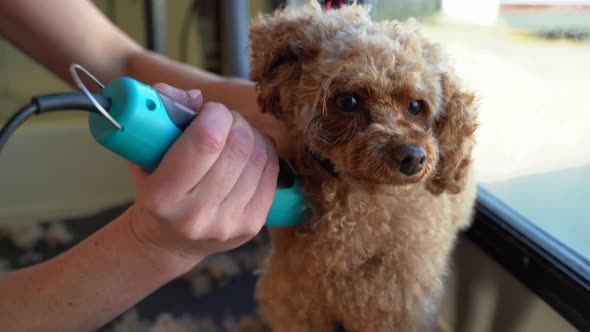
point(410, 158)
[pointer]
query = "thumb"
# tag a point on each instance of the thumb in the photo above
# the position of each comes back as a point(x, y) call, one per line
point(190, 98)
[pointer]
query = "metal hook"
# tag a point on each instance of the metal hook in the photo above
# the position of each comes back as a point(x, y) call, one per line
point(73, 70)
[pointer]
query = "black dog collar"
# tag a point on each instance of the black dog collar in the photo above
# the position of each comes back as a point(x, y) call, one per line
point(325, 163)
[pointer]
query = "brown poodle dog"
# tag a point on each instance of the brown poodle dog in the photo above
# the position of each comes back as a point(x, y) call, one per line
point(382, 135)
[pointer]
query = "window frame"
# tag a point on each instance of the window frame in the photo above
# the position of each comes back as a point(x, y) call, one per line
point(548, 268)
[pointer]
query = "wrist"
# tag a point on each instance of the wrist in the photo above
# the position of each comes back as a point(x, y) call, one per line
point(159, 244)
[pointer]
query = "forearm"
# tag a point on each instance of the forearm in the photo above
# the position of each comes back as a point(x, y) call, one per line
point(111, 269)
point(152, 68)
point(60, 32)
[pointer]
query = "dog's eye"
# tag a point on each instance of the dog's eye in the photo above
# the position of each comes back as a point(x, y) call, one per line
point(415, 107)
point(347, 103)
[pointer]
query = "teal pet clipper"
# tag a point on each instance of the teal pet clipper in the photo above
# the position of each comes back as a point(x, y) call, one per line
point(142, 124)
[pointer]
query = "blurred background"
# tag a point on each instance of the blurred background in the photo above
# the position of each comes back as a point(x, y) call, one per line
point(528, 61)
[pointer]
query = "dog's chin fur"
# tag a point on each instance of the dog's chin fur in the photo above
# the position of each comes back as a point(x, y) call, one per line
point(374, 250)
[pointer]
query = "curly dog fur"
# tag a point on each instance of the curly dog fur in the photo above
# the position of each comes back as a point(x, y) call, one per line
point(374, 252)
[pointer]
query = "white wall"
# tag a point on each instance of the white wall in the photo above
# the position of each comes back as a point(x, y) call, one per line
point(52, 169)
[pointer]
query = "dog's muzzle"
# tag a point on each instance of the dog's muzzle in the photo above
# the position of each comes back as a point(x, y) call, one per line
point(410, 158)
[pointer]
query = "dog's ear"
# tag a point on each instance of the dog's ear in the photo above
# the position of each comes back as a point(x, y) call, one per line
point(280, 44)
point(455, 131)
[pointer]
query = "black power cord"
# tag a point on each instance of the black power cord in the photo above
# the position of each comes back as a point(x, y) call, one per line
point(50, 103)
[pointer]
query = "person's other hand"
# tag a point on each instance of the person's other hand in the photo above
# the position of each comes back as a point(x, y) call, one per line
point(213, 188)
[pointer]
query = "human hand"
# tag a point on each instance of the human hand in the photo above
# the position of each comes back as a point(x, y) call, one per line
point(212, 190)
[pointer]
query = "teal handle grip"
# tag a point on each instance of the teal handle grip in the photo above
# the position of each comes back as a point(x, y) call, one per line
point(152, 122)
